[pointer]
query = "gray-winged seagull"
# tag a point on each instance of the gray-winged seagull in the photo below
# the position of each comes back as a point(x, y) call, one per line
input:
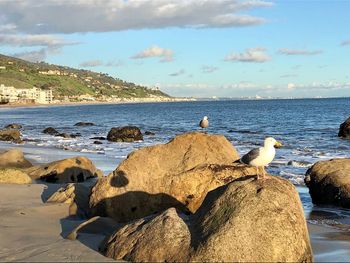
point(204, 123)
point(261, 157)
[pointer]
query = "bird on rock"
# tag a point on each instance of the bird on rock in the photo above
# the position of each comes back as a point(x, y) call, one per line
point(261, 157)
point(204, 123)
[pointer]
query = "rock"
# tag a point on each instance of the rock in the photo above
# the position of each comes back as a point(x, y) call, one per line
point(149, 133)
point(77, 195)
point(51, 131)
point(177, 174)
point(344, 129)
point(70, 170)
point(252, 220)
point(14, 158)
point(329, 182)
point(11, 136)
point(244, 221)
point(98, 138)
point(14, 126)
point(165, 238)
point(66, 135)
point(14, 176)
point(84, 124)
point(125, 134)
point(96, 225)
point(97, 142)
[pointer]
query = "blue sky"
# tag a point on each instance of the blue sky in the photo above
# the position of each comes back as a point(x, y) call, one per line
point(224, 48)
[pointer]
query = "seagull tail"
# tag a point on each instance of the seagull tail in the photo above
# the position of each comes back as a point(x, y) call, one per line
point(238, 161)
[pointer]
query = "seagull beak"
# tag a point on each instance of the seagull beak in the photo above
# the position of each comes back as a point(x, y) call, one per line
point(278, 144)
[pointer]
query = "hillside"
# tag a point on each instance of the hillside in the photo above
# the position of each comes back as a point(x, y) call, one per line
point(65, 81)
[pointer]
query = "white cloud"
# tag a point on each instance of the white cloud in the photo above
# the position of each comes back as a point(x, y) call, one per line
point(209, 69)
point(345, 43)
point(249, 55)
point(33, 40)
point(166, 55)
point(299, 52)
point(33, 56)
point(178, 73)
point(91, 63)
point(288, 76)
point(63, 16)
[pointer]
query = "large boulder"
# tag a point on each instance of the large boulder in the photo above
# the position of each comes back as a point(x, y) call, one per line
point(14, 176)
point(11, 136)
point(14, 158)
point(247, 220)
point(252, 220)
point(164, 238)
point(177, 174)
point(344, 129)
point(14, 126)
point(77, 195)
point(329, 182)
point(72, 170)
point(125, 134)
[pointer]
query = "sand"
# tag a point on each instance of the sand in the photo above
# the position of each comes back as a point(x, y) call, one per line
point(33, 231)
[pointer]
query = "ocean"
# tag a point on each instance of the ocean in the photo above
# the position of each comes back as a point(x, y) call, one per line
point(307, 128)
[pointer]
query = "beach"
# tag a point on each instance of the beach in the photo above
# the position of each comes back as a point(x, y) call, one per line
point(23, 208)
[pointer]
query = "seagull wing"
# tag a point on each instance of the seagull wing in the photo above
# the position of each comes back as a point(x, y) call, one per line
point(250, 156)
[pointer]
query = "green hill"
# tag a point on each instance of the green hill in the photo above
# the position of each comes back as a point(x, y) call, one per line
point(65, 81)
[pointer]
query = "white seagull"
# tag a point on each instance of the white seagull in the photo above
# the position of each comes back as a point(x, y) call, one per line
point(261, 157)
point(204, 123)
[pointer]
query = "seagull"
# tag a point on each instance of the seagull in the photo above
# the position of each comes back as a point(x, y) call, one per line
point(261, 157)
point(204, 123)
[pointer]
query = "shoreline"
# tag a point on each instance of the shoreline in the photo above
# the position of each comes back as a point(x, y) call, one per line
point(85, 103)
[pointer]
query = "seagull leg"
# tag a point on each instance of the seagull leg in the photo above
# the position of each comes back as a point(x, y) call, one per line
point(257, 173)
point(263, 172)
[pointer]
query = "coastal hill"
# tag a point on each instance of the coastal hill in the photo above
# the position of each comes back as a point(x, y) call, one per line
point(67, 82)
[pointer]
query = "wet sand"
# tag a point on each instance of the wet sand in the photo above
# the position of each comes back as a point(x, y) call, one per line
point(32, 231)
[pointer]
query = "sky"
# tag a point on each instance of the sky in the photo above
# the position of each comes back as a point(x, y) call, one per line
point(197, 48)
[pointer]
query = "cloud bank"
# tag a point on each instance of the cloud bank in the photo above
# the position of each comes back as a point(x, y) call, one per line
point(257, 55)
point(64, 16)
point(299, 52)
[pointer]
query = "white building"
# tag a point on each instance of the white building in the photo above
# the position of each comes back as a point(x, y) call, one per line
point(11, 94)
point(8, 93)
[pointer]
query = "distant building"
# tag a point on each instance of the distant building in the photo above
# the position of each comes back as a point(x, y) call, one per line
point(11, 94)
point(8, 93)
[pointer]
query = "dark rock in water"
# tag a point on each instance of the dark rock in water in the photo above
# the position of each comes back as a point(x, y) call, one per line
point(246, 220)
point(329, 182)
point(14, 126)
point(66, 135)
point(97, 142)
point(84, 124)
point(344, 129)
point(149, 133)
point(98, 138)
point(10, 136)
point(125, 134)
point(50, 131)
